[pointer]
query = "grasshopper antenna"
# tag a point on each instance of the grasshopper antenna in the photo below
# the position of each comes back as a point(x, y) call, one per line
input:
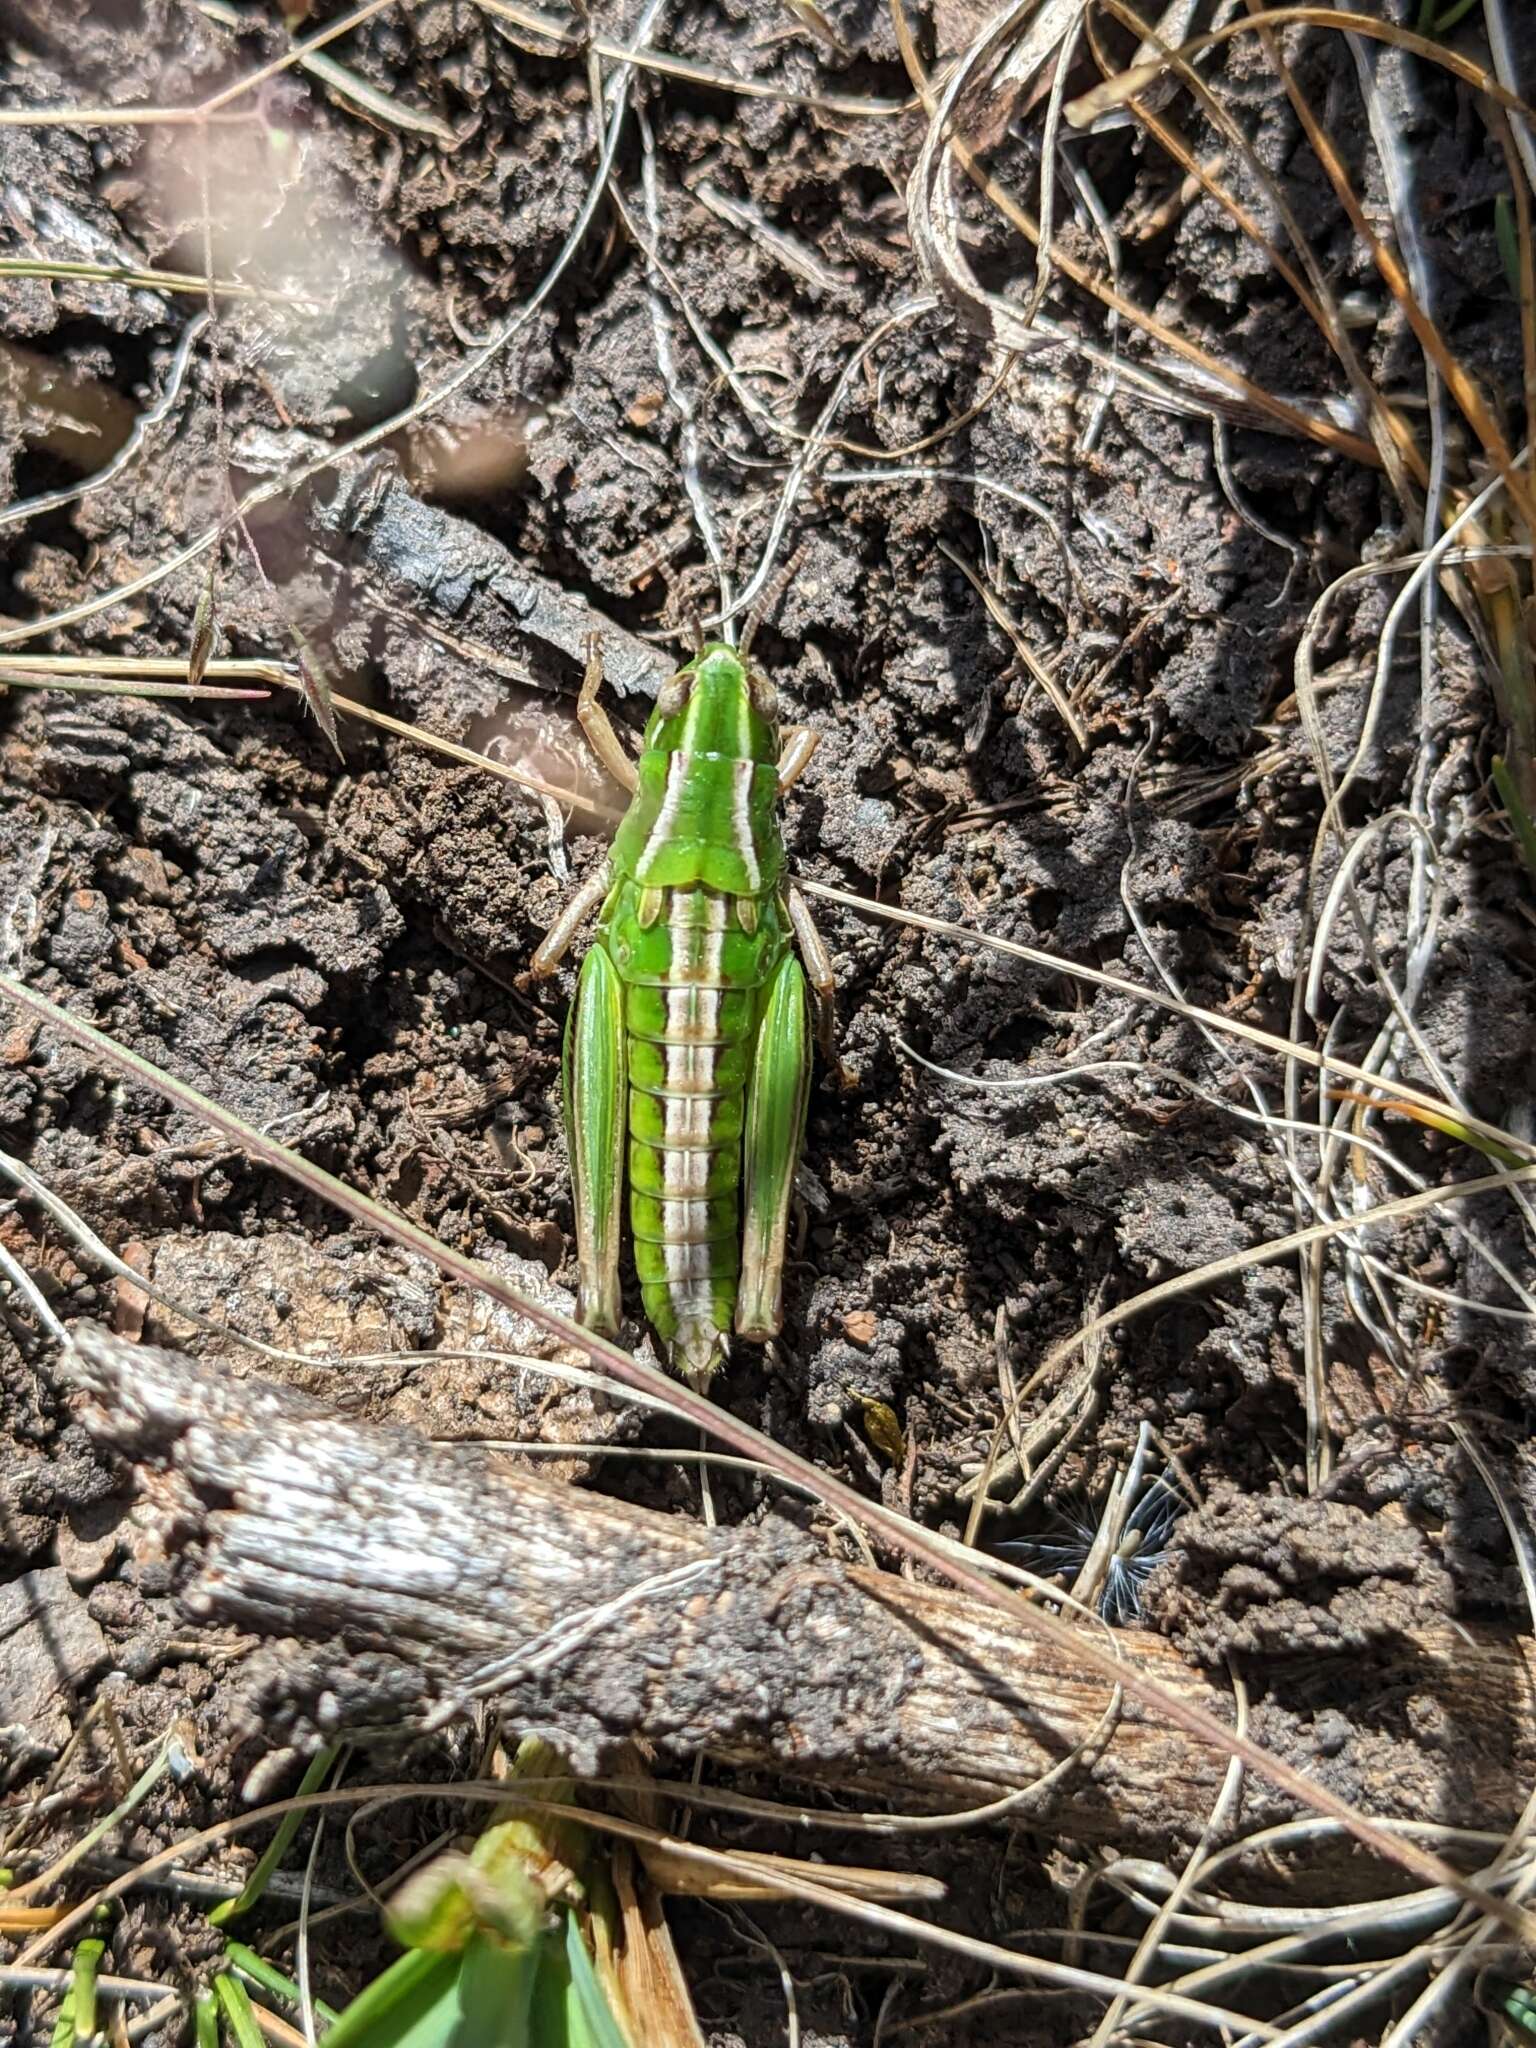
point(769, 600)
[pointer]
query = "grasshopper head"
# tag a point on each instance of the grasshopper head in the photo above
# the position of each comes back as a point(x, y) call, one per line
point(718, 703)
point(705, 812)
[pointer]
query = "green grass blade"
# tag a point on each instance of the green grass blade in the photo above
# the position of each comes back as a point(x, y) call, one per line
point(1519, 816)
point(551, 2015)
point(480, 1999)
point(412, 2005)
point(267, 1977)
point(63, 2035)
point(238, 2013)
point(496, 1995)
point(1519, 2004)
point(599, 2028)
point(278, 1847)
point(77, 2009)
point(206, 2020)
point(88, 1957)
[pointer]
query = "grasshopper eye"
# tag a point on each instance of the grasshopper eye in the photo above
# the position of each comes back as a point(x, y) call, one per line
point(764, 696)
point(673, 694)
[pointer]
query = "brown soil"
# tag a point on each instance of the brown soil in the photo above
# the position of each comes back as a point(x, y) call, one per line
point(329, 945)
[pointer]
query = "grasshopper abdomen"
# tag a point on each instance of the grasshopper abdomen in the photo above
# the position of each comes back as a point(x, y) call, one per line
point(694, 985)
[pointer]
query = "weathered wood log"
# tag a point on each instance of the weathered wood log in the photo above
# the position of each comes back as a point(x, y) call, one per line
point(423, 1578)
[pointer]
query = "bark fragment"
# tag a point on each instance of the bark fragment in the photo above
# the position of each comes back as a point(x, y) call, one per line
point(420, 1578)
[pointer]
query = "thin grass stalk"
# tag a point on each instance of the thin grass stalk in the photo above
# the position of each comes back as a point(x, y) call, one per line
point(1004, 314)
point(1458, 380)
point(1391, 433)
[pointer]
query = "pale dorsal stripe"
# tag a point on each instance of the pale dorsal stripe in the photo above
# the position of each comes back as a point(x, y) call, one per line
point(741, 821)
point(697, 920)
point(692, 1070)
point(684, 1174)
point(693, 1015)
point(686, 1121)
point(687, 1262)
point(671, 804)
point(688, 1222)
point(697, 943)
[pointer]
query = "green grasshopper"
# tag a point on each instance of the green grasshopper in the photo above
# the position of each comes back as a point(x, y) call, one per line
point(688, 1046)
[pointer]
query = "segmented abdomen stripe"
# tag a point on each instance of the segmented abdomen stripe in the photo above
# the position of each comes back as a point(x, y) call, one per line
point(686, 1172)
point(693, 1016)
point(698, 1228)
point(691, 1262)
point(695, 941)
point(688, 1123)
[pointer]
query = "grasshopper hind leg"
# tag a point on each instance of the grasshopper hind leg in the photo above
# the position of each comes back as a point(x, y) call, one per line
point(596, 1087)
point(778, 1095)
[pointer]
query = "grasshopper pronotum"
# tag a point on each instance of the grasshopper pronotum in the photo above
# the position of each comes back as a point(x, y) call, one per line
point(688, 1049)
